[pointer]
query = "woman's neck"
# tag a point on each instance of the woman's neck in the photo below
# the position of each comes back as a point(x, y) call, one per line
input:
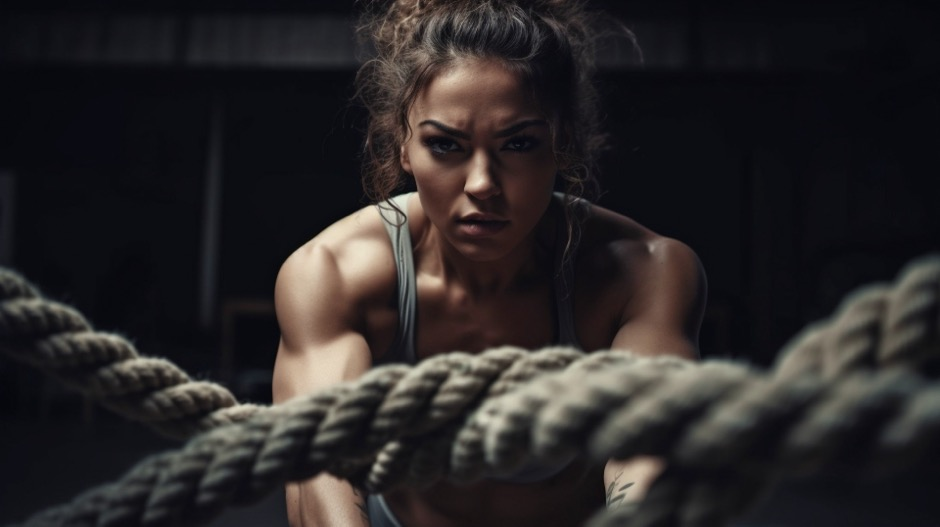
point(526, 264)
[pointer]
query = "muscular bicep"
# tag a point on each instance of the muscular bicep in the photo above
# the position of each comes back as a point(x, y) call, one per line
point(665, 313)
point(321, 342)
point(321, 345)
point(323, 296)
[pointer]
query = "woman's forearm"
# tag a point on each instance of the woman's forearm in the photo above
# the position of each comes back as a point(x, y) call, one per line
point(325, 501)
point(628, 480)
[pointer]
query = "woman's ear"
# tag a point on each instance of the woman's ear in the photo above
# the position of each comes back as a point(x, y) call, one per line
point(405, 161)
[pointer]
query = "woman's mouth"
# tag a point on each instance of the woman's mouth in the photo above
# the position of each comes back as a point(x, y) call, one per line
point(477, 228)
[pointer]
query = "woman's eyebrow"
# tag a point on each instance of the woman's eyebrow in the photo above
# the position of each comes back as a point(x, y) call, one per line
point(521, 125)
point(516, 128)
point(446, 129)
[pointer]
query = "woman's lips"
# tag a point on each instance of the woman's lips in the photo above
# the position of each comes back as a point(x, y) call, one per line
point(479, 228)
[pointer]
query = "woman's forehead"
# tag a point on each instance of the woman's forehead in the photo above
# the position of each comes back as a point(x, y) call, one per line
point(476, 88)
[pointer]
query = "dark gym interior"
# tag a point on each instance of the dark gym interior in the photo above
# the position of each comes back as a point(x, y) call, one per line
point(160, 159)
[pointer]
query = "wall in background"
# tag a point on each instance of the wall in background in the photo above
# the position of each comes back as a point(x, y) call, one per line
point(795, 151)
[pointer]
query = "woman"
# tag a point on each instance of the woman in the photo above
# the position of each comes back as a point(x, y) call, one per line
point(486, 106)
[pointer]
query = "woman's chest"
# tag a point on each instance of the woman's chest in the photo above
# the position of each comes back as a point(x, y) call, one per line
point(451, 319)
point(531, 319)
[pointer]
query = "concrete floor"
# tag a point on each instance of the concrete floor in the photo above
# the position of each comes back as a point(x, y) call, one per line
point(49, 461)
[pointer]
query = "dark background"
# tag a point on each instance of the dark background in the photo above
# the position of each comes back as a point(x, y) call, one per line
point(794, 146)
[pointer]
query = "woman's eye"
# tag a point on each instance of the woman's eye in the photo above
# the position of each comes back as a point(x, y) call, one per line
point(441, 145)
point(521, 144)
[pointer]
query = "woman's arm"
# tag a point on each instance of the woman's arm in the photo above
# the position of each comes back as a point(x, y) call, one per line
point(320, 346)
point(662, 318)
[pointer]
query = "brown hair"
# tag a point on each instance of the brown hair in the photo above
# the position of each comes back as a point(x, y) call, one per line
point(549, 42)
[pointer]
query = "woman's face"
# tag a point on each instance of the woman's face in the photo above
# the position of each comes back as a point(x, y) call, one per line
point(481, 155)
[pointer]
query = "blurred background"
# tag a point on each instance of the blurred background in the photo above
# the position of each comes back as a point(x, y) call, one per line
point(160, 159)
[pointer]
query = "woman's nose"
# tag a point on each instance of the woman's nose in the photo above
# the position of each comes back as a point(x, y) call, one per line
point(481, 180)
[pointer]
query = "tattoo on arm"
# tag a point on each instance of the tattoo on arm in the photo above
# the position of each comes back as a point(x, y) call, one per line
point(616, 491)
point(361, 504)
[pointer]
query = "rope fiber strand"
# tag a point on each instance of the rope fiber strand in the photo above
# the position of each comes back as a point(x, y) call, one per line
point(57, 339)
point(848, 395)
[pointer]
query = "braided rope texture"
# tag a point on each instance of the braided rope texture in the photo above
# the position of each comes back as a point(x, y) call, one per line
point(106, 367)
point(845, 396)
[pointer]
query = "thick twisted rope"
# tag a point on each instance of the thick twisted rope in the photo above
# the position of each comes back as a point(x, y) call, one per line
point(106, 367)
point(895, 412)
point(877, 326)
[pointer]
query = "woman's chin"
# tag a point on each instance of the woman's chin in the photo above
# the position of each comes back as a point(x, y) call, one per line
point(482, 250)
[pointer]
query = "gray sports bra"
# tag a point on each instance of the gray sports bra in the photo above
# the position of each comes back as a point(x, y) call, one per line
point(403, 349)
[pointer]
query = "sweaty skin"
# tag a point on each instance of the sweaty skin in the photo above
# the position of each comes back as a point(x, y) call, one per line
point(484, 228)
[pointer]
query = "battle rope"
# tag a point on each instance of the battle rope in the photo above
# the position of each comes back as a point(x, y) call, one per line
point(57, 339)
point(699, 418)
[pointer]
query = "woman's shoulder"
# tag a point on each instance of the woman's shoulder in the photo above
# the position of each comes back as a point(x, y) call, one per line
point(615, 246)
point(603, 228)
point(354, 253)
